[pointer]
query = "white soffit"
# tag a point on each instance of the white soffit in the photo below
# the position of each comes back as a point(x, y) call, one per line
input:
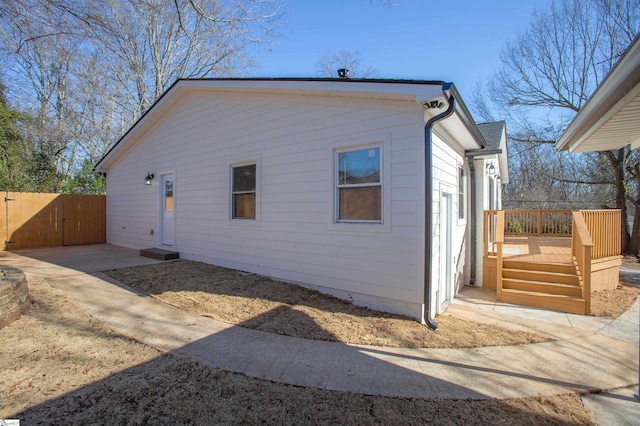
point(614, 130)
point(455, 127)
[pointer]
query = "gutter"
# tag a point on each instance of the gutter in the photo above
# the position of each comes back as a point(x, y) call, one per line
point(428, 219)
point(480, 152)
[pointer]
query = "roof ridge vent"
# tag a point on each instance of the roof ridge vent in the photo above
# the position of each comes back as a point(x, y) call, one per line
point(343, 73)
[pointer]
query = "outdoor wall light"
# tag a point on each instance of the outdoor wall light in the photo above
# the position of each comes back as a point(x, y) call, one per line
point(149, 179)
point(491, 170)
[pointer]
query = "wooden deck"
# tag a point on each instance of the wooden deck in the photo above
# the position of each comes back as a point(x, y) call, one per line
point(551, 259)
point(544, 249)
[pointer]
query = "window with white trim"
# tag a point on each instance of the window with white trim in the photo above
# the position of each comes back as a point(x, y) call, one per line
point(359, 185)
point(461, 194)
point(243, 191)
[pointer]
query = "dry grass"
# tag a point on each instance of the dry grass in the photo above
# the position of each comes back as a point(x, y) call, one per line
point(60, 366)
point(263, 304)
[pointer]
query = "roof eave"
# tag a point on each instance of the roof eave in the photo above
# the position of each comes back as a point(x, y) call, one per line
point(463, 112)
point(622, 79)
point(419, 91)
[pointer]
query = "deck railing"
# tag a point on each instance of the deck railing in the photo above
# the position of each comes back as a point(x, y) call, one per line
point(604, 229)
point(526, 222)
point(581, 251)
point(538, 222)
point(603, 226)
point(490, 217)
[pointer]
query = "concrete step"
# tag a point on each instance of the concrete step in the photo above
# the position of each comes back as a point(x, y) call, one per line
point(560, 268)
point(554, 302)
point(542, 287)
point(160, 254)
point(541, 276)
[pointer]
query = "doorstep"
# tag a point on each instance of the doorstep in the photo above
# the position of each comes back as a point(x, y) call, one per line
point(160, 254)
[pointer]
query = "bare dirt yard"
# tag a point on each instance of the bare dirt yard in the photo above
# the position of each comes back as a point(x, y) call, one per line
point(264, 304)
point(61, 366)
point(612, 303)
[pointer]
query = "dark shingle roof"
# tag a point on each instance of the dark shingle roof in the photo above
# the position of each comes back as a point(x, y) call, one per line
point(492, 133)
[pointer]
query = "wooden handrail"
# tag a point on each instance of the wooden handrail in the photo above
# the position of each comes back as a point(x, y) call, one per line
point(499, 243)
point(581, 247)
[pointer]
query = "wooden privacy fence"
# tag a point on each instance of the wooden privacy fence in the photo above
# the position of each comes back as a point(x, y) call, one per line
point(40, 220)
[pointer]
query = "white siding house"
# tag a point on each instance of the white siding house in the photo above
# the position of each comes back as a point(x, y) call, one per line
point(491, 171)
point(312, 181)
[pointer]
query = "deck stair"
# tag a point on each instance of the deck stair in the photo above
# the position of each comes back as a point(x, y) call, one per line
point(551, 286)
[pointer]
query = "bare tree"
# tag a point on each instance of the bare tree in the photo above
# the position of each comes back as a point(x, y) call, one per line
point(44, 67)
point(547, 74)
point(155, 43)
point(633, 169)
point(330, 63)
point(88, 70)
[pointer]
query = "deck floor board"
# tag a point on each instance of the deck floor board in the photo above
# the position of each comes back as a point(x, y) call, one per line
point(531, 248)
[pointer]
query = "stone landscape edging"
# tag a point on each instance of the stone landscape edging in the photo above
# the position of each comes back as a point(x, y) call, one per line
point(14, 294)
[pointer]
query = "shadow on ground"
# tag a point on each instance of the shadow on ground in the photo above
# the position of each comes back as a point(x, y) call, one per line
point(172, 389)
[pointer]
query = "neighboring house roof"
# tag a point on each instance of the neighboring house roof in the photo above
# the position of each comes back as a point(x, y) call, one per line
point(611, 117)
point(495, 135)
point(433, 95)
point(492, 133)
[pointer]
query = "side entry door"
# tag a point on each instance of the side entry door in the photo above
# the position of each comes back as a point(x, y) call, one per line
point(168, 220)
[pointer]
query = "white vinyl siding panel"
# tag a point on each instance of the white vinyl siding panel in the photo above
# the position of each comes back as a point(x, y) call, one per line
point(292, 136)
point(447, 158)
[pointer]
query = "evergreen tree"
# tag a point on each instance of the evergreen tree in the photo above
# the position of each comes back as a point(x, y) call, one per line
point(14, 149)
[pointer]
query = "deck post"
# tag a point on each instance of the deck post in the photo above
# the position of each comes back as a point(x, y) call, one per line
point(539, 222)
point(587, 280)
point(485, 234)
point(499, 242)
point(581, 248)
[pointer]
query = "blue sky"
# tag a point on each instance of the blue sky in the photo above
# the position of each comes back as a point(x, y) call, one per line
point(455, 40)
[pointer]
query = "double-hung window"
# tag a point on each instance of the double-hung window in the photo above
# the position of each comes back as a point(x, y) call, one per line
point(243, 192)
point(359, 185)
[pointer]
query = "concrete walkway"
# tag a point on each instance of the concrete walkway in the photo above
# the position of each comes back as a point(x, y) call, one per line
point(583, 358)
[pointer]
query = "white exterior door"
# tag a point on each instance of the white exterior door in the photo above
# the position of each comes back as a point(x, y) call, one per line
point(168, 198)
point(445, 288)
